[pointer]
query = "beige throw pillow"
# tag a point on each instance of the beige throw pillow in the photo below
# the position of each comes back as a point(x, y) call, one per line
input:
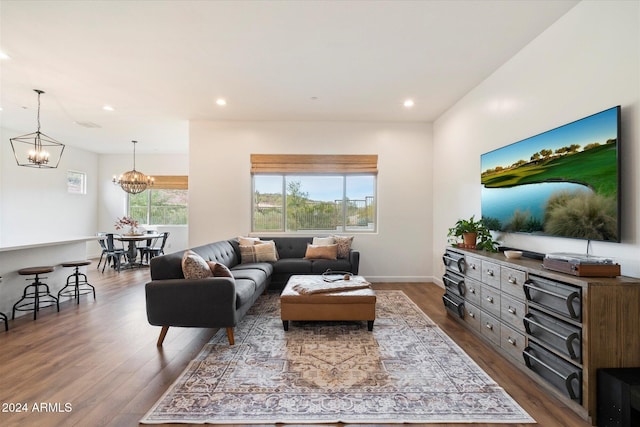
point(344, 245)
point(323, 241)
point(259, 252)
point(194, 266)
point(321, 252)
point(247, 241)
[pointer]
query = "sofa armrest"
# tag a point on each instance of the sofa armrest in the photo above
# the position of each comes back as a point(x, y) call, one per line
point(208, 302)
point(354, 259)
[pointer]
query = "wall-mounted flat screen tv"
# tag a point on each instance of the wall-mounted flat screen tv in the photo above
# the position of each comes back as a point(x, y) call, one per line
point(564, 182)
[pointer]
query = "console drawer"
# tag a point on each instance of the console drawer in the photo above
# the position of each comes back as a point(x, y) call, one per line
point(511, 282)
point(512, 312)
point(490, 301)
point(558, 372)
point(453, 304)
point(513, 342)
point(491, 274)
point(558, 297)
point(454, 261)
point(490, 327)
point(474, 267)
point(554, 333)
point(472, 317)
point(473, 291)
point(454, 283)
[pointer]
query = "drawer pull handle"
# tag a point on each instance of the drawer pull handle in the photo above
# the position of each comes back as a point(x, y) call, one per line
point(472, 315)
point(511, 310)
point(472, 290)
point(472, 266)
point(568, 379)
point(490, 273)
point(568, 339)
point(513, 280)
point(490, 299)
point(568, 298)
point(511, 341)
point(489, 326)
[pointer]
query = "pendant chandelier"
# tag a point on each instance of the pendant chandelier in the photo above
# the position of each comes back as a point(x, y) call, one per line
point(133, 182)
point(37, 150)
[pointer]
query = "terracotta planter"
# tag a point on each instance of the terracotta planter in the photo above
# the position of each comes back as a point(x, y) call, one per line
point(469, 240)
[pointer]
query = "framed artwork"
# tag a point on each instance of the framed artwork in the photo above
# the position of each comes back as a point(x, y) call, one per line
point(76, 182)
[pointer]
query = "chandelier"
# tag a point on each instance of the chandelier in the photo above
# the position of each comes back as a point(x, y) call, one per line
point(37, 150)
point(133, 182)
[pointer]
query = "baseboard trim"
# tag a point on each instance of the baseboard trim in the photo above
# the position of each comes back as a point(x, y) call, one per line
point(400, 279)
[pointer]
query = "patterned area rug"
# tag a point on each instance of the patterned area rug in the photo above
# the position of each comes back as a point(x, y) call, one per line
point(406, 371)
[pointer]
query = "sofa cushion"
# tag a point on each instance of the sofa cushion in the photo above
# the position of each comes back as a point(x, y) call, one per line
point(221, 251)
point(292, 265)
point(194, 266)
point(258, 276)
point(245, 289)
point(264, 266)
point(321, 252)
point(344, 245)
point(319, 266)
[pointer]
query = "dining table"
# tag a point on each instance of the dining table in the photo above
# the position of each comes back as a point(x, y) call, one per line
point(132, 248)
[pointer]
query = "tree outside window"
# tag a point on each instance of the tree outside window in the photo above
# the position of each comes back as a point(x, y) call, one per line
point(159, 207)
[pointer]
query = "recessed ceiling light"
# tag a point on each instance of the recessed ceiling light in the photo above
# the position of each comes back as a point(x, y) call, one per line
point(221, 102)
point(409, 103)
point(107, 108)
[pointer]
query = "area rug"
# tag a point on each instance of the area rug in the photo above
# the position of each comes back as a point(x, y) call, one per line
point(407, 370)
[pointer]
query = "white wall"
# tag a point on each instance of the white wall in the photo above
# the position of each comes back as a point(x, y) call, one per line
point(34, 203)
point(586, 62)
point(220, 184)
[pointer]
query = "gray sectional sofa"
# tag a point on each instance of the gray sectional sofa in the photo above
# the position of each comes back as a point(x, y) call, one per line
point(220, 302)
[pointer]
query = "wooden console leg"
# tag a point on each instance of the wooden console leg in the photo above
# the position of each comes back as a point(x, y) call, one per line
point(370, 324)
point(230, 336)
point(163, 333)
point(285, 325)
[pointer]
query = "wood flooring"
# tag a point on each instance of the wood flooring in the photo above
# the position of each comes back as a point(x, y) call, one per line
point(97, 364)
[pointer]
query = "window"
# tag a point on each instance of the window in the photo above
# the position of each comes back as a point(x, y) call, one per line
point(163, 204)
point(322, 200)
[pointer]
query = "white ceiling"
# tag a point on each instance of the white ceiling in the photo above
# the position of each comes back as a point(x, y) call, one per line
point(163, 63)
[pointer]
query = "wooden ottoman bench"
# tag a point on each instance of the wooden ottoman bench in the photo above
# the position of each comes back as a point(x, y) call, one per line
point(310, 297)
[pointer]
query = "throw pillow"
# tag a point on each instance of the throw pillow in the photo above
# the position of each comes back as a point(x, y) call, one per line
point(344, 245)
point(323, 241)
point(194, 266)
point(266, 251)
point(248, 241)
point(321, 252)
point(219, 270)
point(247, 254)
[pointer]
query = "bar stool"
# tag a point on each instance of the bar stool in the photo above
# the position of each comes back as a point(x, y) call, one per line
point(77, 287)
point(5, 320)
point(36, 293)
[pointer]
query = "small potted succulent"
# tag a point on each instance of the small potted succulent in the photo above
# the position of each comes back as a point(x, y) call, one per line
point(474, 234)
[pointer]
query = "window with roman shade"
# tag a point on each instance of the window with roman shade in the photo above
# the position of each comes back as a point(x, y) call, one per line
point(164, 203)
point(314, 193)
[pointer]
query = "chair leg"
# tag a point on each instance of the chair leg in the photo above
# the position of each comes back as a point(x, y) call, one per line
point(230, 336)
point(163, 333)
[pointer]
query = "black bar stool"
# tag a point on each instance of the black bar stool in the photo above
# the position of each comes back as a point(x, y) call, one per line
point(36, 293)
point(4, 319)
point(76, 286)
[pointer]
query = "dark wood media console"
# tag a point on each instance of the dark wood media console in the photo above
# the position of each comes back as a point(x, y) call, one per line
point(558, 328)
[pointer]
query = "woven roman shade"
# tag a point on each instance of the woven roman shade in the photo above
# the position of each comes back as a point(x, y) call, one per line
point(314, 163)
point(171, 182)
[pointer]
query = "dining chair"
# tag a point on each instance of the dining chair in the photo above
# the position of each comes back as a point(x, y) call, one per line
point(147, 246)
point(157, 250)
point(113, 254)
point(103, 244)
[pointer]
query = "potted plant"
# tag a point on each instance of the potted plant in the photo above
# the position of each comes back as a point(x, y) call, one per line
point(474, 234)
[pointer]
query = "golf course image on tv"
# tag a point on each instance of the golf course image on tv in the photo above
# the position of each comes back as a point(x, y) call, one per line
point(564, 182)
